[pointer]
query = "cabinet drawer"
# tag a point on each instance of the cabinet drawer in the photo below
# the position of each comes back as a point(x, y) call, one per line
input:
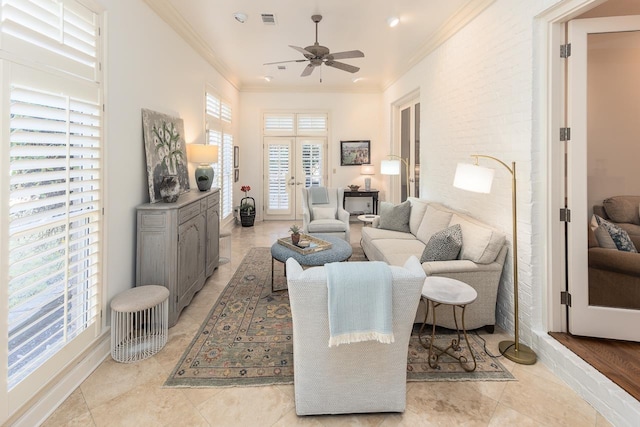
point(203, 205)
point(212, 200)
point(188, 212)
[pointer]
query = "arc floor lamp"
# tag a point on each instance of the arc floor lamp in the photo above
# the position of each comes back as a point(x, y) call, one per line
point(392, 166)
point(473, 177)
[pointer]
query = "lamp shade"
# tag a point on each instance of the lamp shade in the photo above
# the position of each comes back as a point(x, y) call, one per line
point(473, 178)
point(390, 167)
point(200, 153)
point(367, 170)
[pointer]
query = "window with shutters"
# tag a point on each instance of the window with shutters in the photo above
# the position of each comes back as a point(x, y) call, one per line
point(53, 221)
point(299, 124)
point(278, 175)
point(219, 132)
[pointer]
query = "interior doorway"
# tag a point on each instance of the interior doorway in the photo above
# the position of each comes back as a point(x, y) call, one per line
point(406, 146)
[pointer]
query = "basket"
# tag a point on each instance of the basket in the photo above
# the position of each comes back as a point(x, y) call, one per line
point(247, 217)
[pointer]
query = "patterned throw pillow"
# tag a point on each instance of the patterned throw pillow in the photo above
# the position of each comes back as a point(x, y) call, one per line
point(395, 217)
point(444, 245)
point(620, 237)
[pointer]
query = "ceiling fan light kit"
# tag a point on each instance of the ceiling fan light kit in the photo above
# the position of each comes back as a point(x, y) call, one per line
point(317, 55)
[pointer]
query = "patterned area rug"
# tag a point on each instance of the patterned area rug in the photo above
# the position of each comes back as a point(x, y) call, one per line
point(247, 338)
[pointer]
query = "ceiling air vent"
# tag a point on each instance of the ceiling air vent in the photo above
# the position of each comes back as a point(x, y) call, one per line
point(268, 19)
point(282, 67)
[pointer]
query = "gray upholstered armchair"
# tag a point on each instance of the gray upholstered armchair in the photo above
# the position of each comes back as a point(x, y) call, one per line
point(351, 378)
point(324, 213)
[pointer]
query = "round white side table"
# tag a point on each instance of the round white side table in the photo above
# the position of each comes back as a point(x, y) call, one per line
point(443, 290)
point(139, 323)
point(368, 218)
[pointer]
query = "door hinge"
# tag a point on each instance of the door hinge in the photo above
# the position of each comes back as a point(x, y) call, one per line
point(565, 298)
point(565, 214)
point(565, 50)
point(565, 134)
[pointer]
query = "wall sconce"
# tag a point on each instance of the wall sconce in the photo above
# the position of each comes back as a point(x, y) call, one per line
point(204, 155)
point(367, 170)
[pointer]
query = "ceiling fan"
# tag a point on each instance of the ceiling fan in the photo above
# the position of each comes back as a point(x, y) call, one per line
point(318, 55)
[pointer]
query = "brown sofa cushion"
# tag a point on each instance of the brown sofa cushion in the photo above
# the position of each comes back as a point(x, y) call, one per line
point(623, 209)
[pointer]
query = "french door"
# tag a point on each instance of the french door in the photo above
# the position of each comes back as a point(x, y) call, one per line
point(602, 77)
point(292, 163)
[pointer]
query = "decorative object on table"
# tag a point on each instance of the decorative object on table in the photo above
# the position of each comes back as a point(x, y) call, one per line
point(295, 234)
point(393, 166)
point(247, 208)
point(204, 155)
point(315, 244)
point(164, 147)
point(355, 153)
point(236, 156)
point(478, 179)
point(353, 187)
point(367, 170)
point(169, 188)
point(216, 357)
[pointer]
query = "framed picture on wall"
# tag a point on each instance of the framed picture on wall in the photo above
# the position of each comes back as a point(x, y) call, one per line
point(355, 153)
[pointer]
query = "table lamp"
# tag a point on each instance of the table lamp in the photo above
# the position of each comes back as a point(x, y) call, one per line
point(204, 155)
point(367, 170)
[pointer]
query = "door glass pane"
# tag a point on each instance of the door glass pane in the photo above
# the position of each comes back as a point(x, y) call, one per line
point(613, 110)
point(278, 174)
point(405, 149)
point(416, 153)
point(312, 167)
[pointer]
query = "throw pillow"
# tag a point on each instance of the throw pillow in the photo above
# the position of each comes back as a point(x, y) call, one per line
point(444, 245)
point(395, 217)
point(620, 237)
point(604, 238)
point(324, 213)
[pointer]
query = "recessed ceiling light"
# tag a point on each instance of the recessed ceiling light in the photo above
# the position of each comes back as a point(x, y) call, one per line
point(240, 17)
point(393, 21)
point(268, 78)
point(357, 79)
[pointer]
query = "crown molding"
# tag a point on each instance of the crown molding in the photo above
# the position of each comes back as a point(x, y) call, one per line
point(165, 10)
point(459, 20)
point(312, 89)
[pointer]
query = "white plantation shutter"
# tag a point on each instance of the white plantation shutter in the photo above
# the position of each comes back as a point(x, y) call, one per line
point(59, 34)
point(312, 164)
point(278, 173)
point(279, 124)
point(219, 118)
point(312, 124)
point(54, 224)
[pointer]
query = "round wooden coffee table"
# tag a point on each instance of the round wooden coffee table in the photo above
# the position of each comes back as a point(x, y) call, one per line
point(340, 251)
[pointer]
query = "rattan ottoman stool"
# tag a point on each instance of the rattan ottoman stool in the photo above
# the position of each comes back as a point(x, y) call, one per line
point(139, 323)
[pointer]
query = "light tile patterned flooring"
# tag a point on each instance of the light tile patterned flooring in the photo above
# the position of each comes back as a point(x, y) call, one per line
point(132, 394)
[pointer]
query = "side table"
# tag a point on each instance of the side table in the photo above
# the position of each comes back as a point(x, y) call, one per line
point(367, 218)
point(443, 290)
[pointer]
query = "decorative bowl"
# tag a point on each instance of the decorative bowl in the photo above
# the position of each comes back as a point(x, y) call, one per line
point(353, 187)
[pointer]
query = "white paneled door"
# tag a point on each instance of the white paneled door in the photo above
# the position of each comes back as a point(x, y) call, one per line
point(618, 39)
point(291, 163)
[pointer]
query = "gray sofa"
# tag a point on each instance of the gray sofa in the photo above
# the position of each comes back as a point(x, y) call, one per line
point(614, 276)
point(479, 263)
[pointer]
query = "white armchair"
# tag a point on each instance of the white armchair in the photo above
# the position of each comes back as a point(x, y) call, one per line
point(326, 218)
point(351, 378)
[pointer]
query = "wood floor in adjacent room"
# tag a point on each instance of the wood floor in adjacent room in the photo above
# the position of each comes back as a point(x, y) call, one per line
point(617, 360)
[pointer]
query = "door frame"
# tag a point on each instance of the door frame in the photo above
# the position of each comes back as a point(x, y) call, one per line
point(413, 97)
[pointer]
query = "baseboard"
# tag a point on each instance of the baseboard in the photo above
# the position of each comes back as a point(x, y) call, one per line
point(38, 409)
point(609, 399)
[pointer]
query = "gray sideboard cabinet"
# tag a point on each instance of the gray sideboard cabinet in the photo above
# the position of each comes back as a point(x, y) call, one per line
point(178, 245)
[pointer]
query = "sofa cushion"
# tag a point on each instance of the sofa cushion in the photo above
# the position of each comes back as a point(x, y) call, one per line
point(396, 252)
point(601, 235)
point(372, 233)
point(620, 237)
point(327, 226)
point(324, 213)
point(418, 208)
point(623, 209)
point(395, 217)
point(480, 243)
point(436, 218)
point(444, 245)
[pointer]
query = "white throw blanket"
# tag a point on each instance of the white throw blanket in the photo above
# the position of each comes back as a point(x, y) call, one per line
point(318, 195)
point(360, 302)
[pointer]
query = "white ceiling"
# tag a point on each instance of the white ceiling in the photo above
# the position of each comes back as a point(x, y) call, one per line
point(239, 50)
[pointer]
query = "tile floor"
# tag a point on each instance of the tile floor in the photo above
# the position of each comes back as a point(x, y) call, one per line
point(132, 394)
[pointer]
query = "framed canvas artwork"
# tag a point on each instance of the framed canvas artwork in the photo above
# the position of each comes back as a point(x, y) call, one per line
point(355, 153)
point(165, 151)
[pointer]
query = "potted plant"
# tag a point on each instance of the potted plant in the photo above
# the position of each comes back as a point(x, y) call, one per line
point(295, 234)
point(247, 208)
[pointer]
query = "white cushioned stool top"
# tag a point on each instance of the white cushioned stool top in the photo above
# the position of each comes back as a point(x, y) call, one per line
point(139, 298)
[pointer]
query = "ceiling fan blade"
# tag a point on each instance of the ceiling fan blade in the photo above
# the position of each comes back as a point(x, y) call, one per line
point(302, 51)
point(342, 66)
point(347, 54)
point(307, 70)
point(284, 62)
